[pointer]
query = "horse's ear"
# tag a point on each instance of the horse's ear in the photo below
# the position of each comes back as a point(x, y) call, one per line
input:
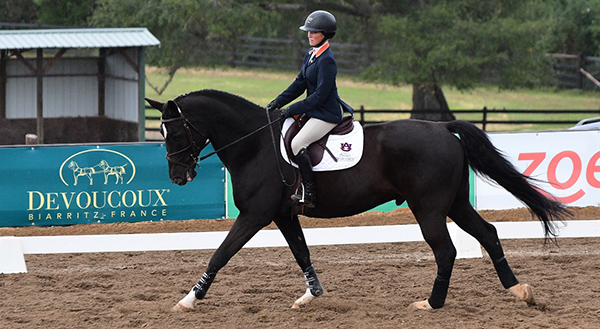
point(171, 110)
point(155, 104)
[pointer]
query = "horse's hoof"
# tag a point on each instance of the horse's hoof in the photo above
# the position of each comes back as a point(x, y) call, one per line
point(524, 292)
point(180, 308)
point(302, 303)
point(528, 295)
point(304, 300)
point(422, 305)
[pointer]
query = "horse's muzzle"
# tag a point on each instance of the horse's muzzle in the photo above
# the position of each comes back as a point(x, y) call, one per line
point(189, 176)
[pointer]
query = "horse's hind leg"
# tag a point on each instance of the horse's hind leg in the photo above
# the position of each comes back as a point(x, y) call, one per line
point(434, 229)
point(292, 231)
point(467, 218)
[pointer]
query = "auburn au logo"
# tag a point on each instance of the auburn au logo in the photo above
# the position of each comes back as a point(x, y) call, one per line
point(346, 147)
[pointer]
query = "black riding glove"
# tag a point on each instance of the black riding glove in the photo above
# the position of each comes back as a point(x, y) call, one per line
point(273, 106)
point(285, 113)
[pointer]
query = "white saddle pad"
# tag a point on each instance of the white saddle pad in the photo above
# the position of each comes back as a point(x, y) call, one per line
point(347, 149)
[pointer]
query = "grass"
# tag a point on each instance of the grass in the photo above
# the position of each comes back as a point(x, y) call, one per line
point(261, 86)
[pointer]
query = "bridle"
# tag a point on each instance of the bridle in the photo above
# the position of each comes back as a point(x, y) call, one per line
point(195, 148)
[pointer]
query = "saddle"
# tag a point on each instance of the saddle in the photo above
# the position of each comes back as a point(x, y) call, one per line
point(317, 149)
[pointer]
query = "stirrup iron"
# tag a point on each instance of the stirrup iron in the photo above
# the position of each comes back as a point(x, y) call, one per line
point(299, 197)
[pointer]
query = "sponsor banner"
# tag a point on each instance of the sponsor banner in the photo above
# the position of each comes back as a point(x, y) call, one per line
point(567, 163)
point(104, 183)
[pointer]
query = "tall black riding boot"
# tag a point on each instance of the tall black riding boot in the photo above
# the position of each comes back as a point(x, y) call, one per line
point(310, 195)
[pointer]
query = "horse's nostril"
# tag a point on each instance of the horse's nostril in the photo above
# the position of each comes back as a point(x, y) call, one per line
point(180, 181)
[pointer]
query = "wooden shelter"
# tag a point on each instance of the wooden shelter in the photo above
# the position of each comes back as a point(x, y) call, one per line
point(73, 85)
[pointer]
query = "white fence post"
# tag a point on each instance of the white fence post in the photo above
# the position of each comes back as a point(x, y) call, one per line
point(11, 256)
point(466, 245)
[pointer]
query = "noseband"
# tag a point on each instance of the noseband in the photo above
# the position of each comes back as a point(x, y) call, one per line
point(195, 149)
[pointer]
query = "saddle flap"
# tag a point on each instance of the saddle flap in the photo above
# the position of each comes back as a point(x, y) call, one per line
point(317, 149)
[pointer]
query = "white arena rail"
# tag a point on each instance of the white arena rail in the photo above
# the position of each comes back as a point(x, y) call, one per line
point(13, 249)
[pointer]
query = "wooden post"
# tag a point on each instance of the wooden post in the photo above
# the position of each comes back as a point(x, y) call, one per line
point(590, 77)
point(141, 59)
point(102, 83)
point(484, 120)
point(3, 80)
point(579, 74)
point(40, 95)
point(31, 139)
point(362, 115)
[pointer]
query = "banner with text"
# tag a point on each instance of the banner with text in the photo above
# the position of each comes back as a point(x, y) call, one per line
point(567, 163)
point(102, 183)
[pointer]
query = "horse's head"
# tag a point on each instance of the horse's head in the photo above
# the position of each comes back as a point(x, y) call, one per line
point(182, 139)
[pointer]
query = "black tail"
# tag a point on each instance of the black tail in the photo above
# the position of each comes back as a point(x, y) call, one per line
point(487, 161)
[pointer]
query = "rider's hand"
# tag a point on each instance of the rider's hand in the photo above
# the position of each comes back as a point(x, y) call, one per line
point(285, 113)
point(273, 106)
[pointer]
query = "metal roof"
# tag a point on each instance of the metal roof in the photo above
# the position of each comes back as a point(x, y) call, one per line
point(77, 38)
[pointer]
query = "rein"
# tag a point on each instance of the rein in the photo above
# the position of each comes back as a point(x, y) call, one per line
point(275, 149)
point(239, 139)
point(195, 148)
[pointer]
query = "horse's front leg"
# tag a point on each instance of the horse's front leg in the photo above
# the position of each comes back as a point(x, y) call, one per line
point(314, 288)
point(243, 229)
point(292, 231)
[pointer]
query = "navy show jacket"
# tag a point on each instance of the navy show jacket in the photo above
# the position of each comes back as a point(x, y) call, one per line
point(317, 78)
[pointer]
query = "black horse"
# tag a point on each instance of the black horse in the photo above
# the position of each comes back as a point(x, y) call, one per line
point(423, 163)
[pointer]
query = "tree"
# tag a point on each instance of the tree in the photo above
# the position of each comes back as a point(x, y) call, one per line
point(18, 11)
point(576, 27)
point(186, 28)
point(178, 24)
point(458, 43)
point(64, 12)
point(428, 44)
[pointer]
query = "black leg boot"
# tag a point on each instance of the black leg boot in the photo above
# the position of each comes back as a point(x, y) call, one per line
point(310, 195)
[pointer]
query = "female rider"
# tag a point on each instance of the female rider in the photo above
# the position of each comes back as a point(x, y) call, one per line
point(322, 104)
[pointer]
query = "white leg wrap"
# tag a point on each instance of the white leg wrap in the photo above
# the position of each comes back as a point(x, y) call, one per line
point(304, 300)
point(187, 303)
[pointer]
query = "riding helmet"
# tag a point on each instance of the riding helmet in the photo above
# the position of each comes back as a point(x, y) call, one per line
point(320, 21)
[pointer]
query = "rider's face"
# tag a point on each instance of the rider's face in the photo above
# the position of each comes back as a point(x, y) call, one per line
point(315, 38)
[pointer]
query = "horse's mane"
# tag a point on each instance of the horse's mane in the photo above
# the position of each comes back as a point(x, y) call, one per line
point(217, 94)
